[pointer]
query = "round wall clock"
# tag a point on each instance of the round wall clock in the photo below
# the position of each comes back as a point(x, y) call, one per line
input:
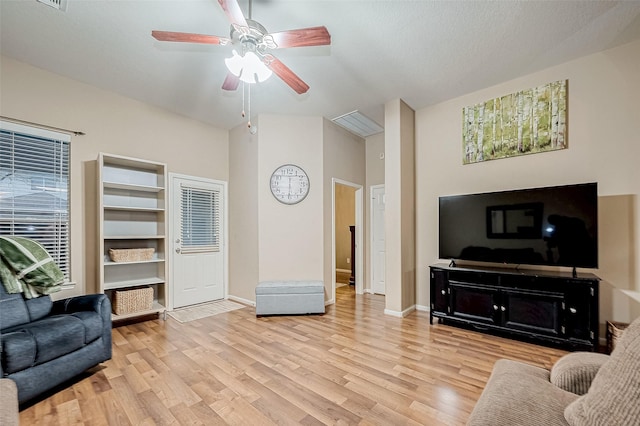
point(289, 184)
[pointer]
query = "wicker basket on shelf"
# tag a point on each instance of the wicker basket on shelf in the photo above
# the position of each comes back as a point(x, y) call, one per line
point(131, 255)
point(614, 332)
point(132, 300)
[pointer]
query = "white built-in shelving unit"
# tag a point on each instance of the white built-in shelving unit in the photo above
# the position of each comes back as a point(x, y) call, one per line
point(132, 214)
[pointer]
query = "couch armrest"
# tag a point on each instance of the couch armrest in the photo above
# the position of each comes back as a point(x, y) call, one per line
point(88, 302)
point(99, 303)
point(574, 372)
point(520, 394)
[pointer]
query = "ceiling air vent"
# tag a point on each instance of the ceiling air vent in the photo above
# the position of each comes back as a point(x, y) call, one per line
point(56, 4)
point(358, 124)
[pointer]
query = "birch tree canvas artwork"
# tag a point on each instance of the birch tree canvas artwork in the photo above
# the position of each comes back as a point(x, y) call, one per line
point(525, 122)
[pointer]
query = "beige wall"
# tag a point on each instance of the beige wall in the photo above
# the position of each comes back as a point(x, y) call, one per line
point(604, 147)
point(113, 124)
point(345, 216)
point(344, 159)
point(243, 211)
point(290, 237)
point(375, 176)
point(273, 241)
point(399, 220)
point(375, 164)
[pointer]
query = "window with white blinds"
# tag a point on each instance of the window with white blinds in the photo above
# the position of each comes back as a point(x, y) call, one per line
point(200, 220)
point(34, 188)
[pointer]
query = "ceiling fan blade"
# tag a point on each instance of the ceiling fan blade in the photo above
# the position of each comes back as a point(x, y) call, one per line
point(231, 82)
point(234, 13)
point(314, 36)
point(189, 37)
point(288, 76)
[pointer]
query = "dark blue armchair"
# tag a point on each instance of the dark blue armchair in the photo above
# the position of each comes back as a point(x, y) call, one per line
point(45, 343)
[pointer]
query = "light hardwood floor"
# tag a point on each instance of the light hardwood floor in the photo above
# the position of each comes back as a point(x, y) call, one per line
point(353, 365)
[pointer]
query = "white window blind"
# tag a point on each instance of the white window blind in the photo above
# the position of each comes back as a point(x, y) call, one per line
point(34, 188)
point(200, 223)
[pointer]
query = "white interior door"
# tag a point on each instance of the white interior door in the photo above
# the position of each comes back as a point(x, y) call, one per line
point(378, 246)
point(197, 222)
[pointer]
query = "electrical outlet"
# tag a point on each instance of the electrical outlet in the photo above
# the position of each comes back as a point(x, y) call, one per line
point(348, 260)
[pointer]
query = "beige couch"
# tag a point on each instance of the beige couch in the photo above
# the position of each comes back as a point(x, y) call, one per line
point(8, 403)
point(582, 388)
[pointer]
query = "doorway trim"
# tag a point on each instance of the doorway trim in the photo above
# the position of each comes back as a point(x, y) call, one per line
point(359, 222)
point(171, 231)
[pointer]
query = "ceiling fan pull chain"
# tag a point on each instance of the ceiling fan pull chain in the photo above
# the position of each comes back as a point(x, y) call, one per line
point(249, 103)
point(243, 99)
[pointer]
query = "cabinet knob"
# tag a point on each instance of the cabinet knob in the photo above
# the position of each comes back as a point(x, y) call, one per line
point(573, 310)
point(178, 250)
point(495, 307)
point(502, 308)
point(443, 292)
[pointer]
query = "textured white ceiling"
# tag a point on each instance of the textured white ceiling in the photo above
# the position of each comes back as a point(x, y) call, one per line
point(421, 51)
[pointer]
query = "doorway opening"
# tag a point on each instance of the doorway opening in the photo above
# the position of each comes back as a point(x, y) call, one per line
point(347, 231)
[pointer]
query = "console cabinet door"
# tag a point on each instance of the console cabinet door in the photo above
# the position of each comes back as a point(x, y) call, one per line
point(580, 313)
point(439, 291)
point(532, 311)
point(475, 303)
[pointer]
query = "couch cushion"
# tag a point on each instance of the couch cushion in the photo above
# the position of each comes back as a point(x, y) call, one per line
point(92, 323)
point(13, 310)
point(39, 307)
point(574, 372)
point(53, 336)
point(613, 398)
point(18, 351)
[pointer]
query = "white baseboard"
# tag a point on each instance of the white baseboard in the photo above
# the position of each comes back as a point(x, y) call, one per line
point(343, 275)
point(423, 308)
point(241, 300)
point(402, 314)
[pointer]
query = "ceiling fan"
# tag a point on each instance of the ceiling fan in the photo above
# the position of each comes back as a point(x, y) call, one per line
point(255, 41)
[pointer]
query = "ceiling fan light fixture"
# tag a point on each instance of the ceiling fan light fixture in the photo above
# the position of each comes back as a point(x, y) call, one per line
point(248, 68)
point(254, 64)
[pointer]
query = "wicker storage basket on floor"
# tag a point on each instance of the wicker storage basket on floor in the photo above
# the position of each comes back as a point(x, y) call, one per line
point(133, 300)
point(614, 331)
point(131, 255)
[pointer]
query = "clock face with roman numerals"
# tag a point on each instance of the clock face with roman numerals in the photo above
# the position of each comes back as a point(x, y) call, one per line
point(289, 184)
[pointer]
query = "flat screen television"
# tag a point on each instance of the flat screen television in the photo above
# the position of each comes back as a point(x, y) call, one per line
point(540, 226)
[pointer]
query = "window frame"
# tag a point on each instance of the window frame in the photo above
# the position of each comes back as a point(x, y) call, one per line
point(59, 139)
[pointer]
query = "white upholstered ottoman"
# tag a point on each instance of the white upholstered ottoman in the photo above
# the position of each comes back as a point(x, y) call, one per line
point(289, 297)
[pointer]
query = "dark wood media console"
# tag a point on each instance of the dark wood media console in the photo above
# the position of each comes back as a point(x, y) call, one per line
point(543, 307)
